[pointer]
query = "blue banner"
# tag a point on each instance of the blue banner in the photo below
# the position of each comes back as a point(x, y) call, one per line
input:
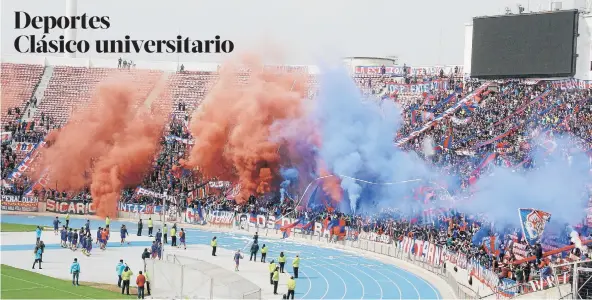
point(533, 223)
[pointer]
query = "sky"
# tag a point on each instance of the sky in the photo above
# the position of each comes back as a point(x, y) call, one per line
point(419, 32)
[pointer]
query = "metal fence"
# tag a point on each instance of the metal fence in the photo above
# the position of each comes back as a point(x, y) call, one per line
point(180, 277)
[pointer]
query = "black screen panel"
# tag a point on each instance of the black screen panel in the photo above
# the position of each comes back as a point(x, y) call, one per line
point(527, 45)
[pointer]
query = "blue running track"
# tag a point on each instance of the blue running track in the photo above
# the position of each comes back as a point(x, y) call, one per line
point(324, 273)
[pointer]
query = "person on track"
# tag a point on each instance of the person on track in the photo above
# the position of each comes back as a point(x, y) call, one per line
point(291, 287)
point(295, 265)
point(254, 250)
point(88, 244)
point(126, 275)
point(214, 244)
point(75, 240)
point(75, 271)
point(272, 267)
point(282, 261)
point(70, 234)
point(276, 280)
point(237, 257)
point(173, 237)
point(263, 253)
point(64, 237)
point(182, 239)
point(124, 234)
point(165, 231)
point(38, 234)
point(68, 220)
point(140, 282)
point(119, 269)
point(140, 225)
point(38, 253)
point(107, 221)
point(150, 227)
point(56, 225)
point(159, 236)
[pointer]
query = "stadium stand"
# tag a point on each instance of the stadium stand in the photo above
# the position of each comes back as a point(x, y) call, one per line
point(491, 126)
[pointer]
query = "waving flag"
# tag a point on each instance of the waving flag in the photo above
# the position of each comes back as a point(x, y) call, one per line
point(533, 223)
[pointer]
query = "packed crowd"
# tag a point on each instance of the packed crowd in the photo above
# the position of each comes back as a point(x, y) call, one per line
point(506, 120)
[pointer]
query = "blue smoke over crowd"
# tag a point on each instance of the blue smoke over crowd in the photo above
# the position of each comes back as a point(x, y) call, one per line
point(357, 144)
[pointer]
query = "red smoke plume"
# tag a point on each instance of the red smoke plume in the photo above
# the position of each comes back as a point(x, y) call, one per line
point(88, 135)
point(232, 126)
point(127, 161)
point(107, 147)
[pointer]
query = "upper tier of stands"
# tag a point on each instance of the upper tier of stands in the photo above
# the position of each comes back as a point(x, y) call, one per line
point(18, 84)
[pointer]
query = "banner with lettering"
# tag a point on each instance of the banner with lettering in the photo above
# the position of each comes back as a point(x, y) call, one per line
point(26, 164)
point(6, 137)
point(418, 87)
point(533, 223)
point(16, 203)
point(423, 251)
point(70, 207)
point(220, 217)
point(194, 216)
point(572, 84)
point(399, 71)
point(140, 208)
point(140, 191)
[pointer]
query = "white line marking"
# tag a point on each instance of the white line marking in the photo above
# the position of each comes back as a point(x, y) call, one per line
point(355, 277)
point(309, 285)
point(23, 289)
point(45, 286)
point(340, 278)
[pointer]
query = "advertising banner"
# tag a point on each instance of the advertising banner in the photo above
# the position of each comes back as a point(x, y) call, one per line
point(16, 203)
point(375, 237)
point(70, 207)
point(140, 208)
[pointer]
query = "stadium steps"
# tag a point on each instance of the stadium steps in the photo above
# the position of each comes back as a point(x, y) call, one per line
point(158, 89)
point(39, 92)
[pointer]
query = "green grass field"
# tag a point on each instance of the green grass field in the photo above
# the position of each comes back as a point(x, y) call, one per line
point(21, 284)
point(10, 227)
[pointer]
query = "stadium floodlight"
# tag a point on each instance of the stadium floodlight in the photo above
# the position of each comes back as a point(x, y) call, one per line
point(520, 8)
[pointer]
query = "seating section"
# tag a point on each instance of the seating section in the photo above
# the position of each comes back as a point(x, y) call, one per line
point(18, 84)
point(71, 88)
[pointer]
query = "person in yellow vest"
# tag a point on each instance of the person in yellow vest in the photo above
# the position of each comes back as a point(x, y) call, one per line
point(263, 253)
point(282, 261)
point(68, 220)
point(214, 244)
point(107, 221)
point(173, 237)
point(295, 265)
point(291, 287)
point(272, 267)
point(126, 275)
point(150, 227)
point(276, 280)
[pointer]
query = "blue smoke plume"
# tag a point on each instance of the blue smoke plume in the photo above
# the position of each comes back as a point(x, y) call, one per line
point(556, 185)
point(358, 141)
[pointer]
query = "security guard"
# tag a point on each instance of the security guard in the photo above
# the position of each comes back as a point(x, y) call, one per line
point(214, 244)
point(150, 227)
point(272, 267)
point(282, 261)
point(173, 237)
point(276, 280)
point(263, 253)
point(291, 287)
point(295, 265)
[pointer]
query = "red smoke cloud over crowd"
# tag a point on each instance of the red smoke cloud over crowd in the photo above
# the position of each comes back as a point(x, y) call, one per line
point(107, 146)
point(232, 127)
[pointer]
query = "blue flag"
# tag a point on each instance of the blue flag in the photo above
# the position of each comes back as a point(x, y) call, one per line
point(533, 223)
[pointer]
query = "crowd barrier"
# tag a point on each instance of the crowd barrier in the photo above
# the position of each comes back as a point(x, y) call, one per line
point(180, 277)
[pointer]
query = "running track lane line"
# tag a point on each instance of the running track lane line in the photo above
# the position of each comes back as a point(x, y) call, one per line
point(354, 264)
point(373, 270)
point(45, 286)
point(309, 285)
point(356, 278)
point(402, 277)
point(340, 278)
